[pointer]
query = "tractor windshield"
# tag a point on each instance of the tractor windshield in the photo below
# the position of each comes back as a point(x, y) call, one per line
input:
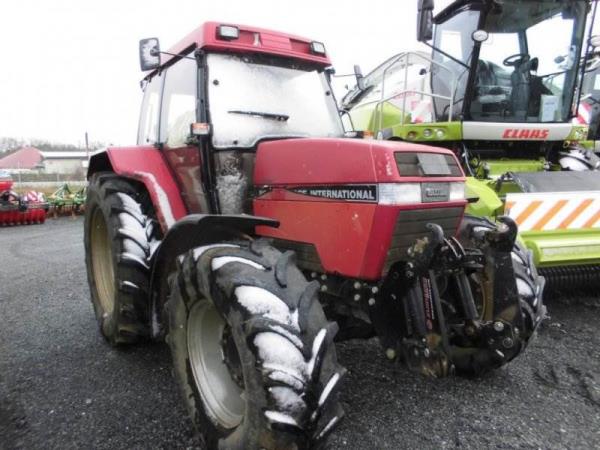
point(514, 62)
point(253, 98)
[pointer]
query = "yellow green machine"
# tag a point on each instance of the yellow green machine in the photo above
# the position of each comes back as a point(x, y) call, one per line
point(589, 102)
point(498, 87)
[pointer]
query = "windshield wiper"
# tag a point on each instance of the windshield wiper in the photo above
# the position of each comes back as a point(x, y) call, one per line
point(266, 115)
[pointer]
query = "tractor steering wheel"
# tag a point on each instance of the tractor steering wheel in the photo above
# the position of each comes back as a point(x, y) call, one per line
point(516, 60)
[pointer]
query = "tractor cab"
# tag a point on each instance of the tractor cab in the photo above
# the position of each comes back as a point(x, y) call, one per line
point(231, 90)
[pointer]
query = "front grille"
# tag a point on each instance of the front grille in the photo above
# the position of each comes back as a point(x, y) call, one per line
point(409, 165)
point(411, 225)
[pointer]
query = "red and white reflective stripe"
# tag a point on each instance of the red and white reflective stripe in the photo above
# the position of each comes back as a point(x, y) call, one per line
point(420, 107)
point(555, 210)
point(584, 114)
point(421, 111)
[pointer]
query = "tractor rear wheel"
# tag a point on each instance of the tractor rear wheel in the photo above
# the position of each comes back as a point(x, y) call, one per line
point(253, 352)
point(119, 236)
point(530, 287)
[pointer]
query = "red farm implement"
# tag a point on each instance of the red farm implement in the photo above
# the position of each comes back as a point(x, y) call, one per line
point(18, 209)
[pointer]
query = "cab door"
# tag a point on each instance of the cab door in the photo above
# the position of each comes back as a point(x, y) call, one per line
point(178, 111)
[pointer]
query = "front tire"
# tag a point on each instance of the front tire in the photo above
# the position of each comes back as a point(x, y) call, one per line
point(119, 236)
point(252, 351)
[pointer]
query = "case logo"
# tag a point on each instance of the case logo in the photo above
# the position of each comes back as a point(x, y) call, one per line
point(357, 193)
point(525, 133)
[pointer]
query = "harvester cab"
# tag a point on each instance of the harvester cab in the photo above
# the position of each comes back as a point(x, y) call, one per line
point(589, 101)
point(243, 186)
point(495, 92)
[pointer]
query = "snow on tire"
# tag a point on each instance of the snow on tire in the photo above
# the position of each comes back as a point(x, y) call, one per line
point(252, 349)
point(120, 235)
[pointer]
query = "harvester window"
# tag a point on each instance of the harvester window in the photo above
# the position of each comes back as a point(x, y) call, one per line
point(148, 128)
point(179, 103)
point(526, 70)
point(453, 38)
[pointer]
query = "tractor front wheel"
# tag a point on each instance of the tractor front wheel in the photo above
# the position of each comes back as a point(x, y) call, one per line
point(119, 236)
point(253, 353)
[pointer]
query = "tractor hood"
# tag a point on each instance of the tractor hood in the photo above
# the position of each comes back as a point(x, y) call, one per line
point(343, 161)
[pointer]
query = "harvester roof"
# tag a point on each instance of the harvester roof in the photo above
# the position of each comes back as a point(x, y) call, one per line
point(513, 18)
point(249, 40)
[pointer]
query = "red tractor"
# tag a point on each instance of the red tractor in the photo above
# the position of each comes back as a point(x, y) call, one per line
point(246, 228)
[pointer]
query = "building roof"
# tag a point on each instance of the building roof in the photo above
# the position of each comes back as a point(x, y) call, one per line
point(24, 158)
point(64, 155)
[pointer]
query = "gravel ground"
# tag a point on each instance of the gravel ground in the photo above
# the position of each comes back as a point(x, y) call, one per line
point(62, 387)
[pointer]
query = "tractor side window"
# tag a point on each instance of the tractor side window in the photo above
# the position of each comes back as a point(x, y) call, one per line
point(148, 127)
point(179, 103)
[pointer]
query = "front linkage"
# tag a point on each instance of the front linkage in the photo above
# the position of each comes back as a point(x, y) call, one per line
point(449, 308)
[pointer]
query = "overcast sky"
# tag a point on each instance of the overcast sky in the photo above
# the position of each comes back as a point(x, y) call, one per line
point(72, 65)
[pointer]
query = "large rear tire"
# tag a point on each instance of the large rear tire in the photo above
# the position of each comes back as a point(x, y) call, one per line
point(252, 350)
point(530, 286)
point(120, 235)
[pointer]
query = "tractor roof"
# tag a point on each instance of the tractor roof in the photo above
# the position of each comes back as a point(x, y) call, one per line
point(250, 40)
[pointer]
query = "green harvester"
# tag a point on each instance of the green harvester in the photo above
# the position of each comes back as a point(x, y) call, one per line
point(499, 87)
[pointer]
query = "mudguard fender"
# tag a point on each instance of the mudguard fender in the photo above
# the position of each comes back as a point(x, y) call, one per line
point(146, 165)
point(193, 231)
point(488, 202)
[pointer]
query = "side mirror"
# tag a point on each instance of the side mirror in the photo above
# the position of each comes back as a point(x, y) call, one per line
point(360, 79)
point(149, 54)
point(425, 20)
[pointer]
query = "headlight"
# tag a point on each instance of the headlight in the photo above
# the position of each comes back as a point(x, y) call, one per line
point(411, 193)
point(457, 191)
point(427, 133)
point(399, 193)
point(228, 32)
point(439, 133)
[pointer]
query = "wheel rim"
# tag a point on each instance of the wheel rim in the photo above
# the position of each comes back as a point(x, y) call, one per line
point(221, 395)
point(102, 261)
